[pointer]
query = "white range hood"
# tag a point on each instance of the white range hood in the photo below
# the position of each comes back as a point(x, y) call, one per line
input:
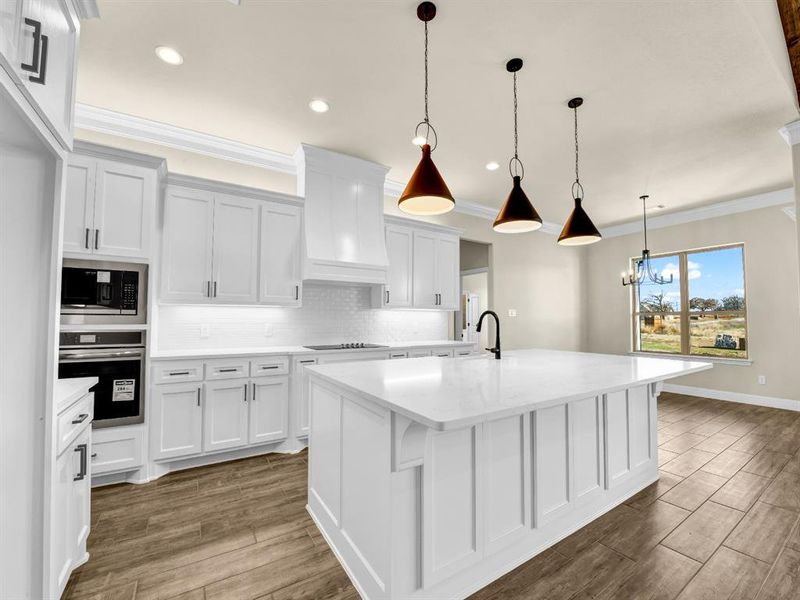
point(344, 237)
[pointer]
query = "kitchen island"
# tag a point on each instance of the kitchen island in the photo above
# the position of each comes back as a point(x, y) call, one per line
point(432, 477)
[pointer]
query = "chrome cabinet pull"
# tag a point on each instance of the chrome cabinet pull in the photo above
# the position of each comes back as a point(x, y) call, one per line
point(215, 289)
point(38, 64)
point(297, 292)
point(175, 373)
point(253, 396)
point(81, 418)
point(208, 289)
point(245, 392)
point(198, 395)
point(82, 448)
point(387, 296)
point(86, 239)
point(96, 238)
point(229, 370)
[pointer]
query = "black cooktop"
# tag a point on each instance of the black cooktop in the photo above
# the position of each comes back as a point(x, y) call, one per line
point(349, 346)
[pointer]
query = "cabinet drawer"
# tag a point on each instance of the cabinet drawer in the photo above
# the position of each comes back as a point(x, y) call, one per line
point(271, 365)
point(73, 420)
point(418, 353)
point(117, 449)
point(443, 353)
point(177, 372)
point(463, 351)
point(398, 354)
point(230, 368)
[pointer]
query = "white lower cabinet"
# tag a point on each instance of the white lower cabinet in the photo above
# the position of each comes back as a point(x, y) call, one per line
point(176, 420)
point(225, 414)
point(117, 449)
point(71, 508)
point(269, 409)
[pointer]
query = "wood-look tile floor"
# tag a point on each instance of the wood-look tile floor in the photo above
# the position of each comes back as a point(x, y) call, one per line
point(721, 523)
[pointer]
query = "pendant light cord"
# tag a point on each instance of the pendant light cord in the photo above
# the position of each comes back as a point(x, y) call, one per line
point(577, 178)
point(516, 137)
point(426, 73)
point(644, 219)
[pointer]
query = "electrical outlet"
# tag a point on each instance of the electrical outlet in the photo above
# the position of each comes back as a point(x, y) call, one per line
point(762, 379)
point(268, 330)
point(512, 312)
point(205, 330)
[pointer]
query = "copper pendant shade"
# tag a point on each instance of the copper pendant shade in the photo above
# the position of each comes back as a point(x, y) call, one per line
point(426, 192)
point(579, 229)
point(517, 214)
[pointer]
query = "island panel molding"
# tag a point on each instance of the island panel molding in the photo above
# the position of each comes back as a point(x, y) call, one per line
point(415, 507)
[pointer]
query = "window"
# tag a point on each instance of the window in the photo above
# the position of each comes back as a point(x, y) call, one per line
point(701, 313)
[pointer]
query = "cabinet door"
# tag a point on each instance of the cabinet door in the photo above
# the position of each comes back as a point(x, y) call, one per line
point(447, 271)
point(269, 409)
point(235, 261)
point(176, 424)
point(225, 414)
point(61, 546)
point(399, 249)
point(50, 82)
point(124, 200)
point(10, 24)
point(187, 243)
point(79, 205)
point(280, 277)
point(80, 516)
point(425, 282)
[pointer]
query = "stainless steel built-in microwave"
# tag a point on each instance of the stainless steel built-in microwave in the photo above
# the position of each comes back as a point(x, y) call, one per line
point(97, 292)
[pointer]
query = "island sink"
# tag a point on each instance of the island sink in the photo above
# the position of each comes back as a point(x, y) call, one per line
point(430, 478)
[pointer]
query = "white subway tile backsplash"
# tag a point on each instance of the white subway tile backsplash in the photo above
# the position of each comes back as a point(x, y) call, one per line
point(330, 314)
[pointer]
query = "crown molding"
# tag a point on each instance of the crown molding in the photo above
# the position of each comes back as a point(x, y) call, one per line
point(711, 211)
point(163, 134)
point(791, 132)
point(791, 212)
point(233, 189)
point(118, 154)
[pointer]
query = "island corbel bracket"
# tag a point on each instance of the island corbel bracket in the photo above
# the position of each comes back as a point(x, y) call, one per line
point(409, 439)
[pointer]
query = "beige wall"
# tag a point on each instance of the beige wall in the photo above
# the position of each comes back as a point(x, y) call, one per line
point(474, 255)
point(796, 169)
point(771, 271)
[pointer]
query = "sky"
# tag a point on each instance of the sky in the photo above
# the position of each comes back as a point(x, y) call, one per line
point(712, 274)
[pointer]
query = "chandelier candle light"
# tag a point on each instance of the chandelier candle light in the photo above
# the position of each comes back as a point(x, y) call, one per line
point(579, 229)
point(517, 214)
point(643, 268)
point(426, 192)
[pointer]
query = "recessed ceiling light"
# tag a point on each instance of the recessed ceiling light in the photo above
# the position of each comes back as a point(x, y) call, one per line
point(319, 106)
point(492, 166)
point(169, 55)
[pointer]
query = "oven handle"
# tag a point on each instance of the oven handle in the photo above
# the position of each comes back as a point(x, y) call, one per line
point(67, 356)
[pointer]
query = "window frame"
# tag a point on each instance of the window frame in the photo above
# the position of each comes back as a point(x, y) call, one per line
point(685, 312)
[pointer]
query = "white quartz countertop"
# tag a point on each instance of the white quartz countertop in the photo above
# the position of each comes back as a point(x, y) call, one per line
point(275, 350)
point(69, 390)
point(449, 393)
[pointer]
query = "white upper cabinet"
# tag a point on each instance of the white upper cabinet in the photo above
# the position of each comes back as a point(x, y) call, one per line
point(447, 271)
point(399, 248)
point(235, 255)
point(38, 48)
point(123, 209)
point(79, 205)
point(187, 245)
point(425, 263)
point(281, 251)
point(110, 205)
point(230, 248)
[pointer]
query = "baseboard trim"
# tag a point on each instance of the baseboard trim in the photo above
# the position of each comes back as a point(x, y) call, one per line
point(770, 401)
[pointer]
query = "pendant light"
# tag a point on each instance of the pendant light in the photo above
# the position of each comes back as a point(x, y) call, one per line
point(643, 268)
point(579, 229)
point(517, 214)
point(426, 192)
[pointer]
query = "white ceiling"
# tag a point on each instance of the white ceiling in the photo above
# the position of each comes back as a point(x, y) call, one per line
point(684, 99)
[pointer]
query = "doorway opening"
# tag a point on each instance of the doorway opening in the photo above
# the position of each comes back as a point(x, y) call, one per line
point(475, 292)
